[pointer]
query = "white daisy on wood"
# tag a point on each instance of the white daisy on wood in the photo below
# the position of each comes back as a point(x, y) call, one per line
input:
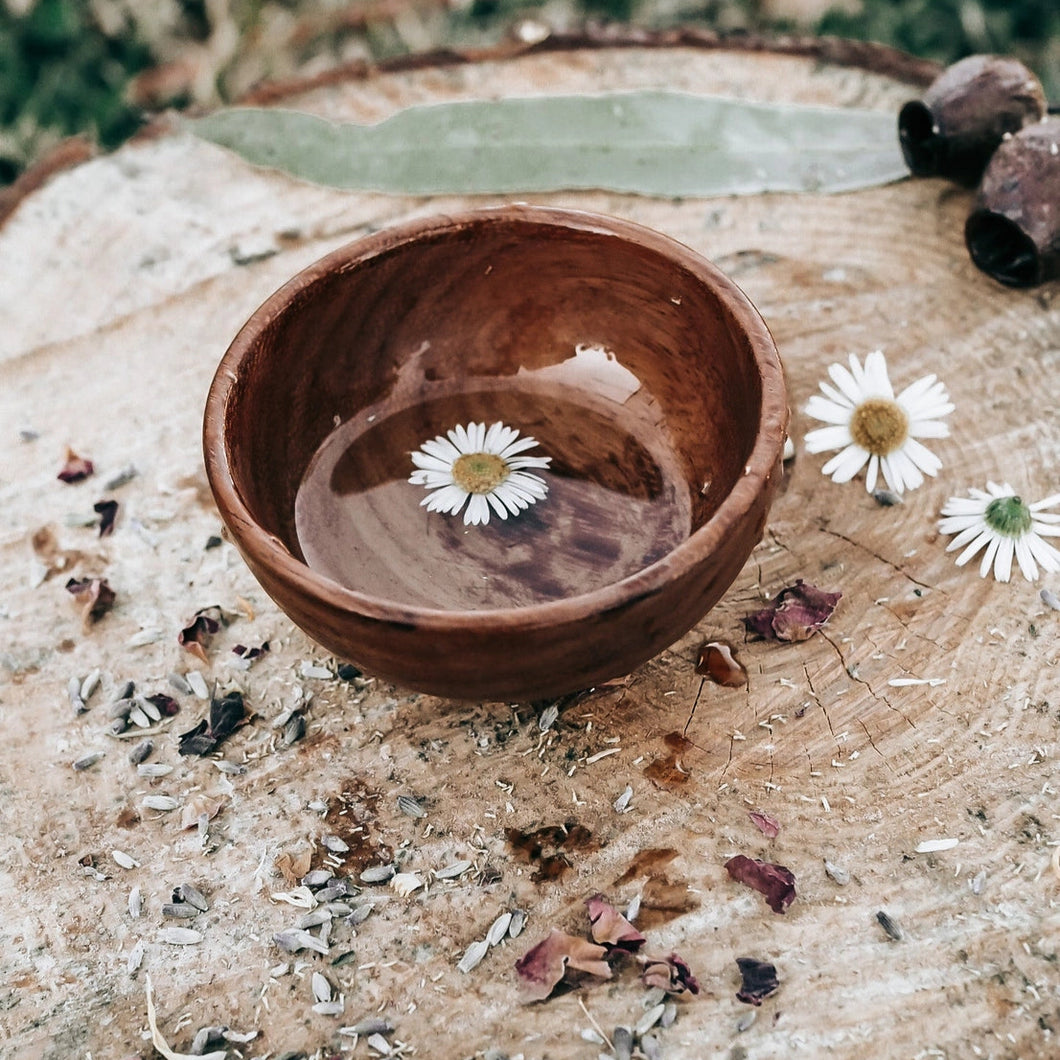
point(1007, 526)
point(485, 468)
point(869, 425)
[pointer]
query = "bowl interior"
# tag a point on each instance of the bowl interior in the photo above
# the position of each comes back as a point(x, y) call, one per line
point(626, 358)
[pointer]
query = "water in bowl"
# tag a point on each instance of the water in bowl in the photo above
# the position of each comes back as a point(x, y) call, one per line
point(618, 493)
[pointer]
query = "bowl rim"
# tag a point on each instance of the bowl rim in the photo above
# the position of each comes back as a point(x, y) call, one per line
point(262, 548)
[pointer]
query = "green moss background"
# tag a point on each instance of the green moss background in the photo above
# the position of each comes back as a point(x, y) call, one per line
point(101, 66)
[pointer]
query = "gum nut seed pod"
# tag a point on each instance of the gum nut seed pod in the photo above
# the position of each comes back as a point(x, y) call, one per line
point(1013, 231)
point(965, 114)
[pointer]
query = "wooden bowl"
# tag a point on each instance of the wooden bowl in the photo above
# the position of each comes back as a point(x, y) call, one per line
point(645, 375)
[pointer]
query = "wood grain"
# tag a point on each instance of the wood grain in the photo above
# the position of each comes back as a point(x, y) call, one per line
point(123, 282)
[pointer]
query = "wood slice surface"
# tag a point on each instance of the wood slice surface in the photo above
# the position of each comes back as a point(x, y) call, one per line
point(124, 279)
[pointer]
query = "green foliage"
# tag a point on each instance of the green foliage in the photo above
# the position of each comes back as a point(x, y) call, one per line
point(60, 74)
point(948, 30)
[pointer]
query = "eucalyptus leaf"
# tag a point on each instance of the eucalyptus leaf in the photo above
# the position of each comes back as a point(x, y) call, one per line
point(654, 143)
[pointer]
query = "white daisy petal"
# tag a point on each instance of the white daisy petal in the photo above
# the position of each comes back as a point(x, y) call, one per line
point(1044, 553)
point(432, 463)
point(836, 397)
point(1025, 559)
point(871, 472)
point(1049, 502)
point(988, 556)
point(827, 411)
point(846, 383)
point(891, 473)
point(449, 499)
point(845, 465)
point(824, 439)
point(985, 535)
point(928, 429)
point(497, 504)
point(962, 538)
point(1003, 560)
point(493, 436)
point(442, 449)
point(478, 510)
point(916, 390)
point(876, 377)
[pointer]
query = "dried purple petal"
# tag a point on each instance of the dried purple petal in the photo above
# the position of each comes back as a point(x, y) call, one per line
point(542, 967)
point(775, 882)
point(768, 825)
point(249, 654)
point(167, 706)
point(108, 512)
point(671, 974)
point(759, 980)
point(76, 467)
point(795, 614)
point(196, 635)
point(610, 927)
point(94, 597)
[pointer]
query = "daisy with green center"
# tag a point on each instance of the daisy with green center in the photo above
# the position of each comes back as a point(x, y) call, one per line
point(869, 425)
point(1003, 522)
point(485, 468)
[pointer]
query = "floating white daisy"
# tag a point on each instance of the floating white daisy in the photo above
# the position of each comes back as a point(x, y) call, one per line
point(1007, 526)
point(484, 467)
point(868, 424)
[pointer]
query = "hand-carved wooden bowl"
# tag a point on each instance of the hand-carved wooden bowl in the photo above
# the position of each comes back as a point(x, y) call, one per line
point(642, 373)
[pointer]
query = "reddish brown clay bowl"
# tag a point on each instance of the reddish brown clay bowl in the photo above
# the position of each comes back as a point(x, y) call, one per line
point(644, 374)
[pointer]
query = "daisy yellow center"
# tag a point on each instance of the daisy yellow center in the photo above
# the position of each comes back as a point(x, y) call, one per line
point(1008, 516)
point(879, 426)
point(479, 472)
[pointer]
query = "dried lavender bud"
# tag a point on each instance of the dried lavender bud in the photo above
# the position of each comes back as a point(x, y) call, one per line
point(1013, 233)
point(965, 114)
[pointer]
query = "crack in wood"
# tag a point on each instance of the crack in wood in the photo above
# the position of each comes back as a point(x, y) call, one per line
point(883, 559)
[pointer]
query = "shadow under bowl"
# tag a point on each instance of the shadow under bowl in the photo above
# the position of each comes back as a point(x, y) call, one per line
point(642, 372)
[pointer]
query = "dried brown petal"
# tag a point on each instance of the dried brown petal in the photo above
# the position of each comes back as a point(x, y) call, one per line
point(1013, 233)
point(775, 882)
point(759, 980)
point(167, 705)
point(796, 614)
point(671, 974)
point(94, 598)
point(610, 927)
point(226, 715)
point(765, 823)
point(965, 114)
point(542, 967)
point(717, 661)
point(108, 512)
point(76, 467)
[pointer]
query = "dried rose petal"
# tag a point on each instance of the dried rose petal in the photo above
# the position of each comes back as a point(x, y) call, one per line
point(94, 597)
point(108, 512)
point(250, 653)
point(196, 635)
point(797, 612)
point(717, 661)
point(765, 823)
point(544, 965)
point(671, 974)
point(76, 467)
point(759, 980)
point(610, 927)
point(776, 882)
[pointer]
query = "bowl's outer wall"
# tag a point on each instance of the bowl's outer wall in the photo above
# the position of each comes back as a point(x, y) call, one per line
point(334, 340)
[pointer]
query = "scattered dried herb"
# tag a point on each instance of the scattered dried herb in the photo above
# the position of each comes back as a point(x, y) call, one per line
point(213, 541)
point(767, 824)
point(226, 715)
point(671, 974)
point(775, 882)
point(347, 672)
point(542, 967)
point(610, 927)
point(94, 597)
point(197, 634)
point(796, 614)
point(108, 512)
point(890, 927)
point(717, 661)
point(76, 469)
point(250, 654)
point(759, 980)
